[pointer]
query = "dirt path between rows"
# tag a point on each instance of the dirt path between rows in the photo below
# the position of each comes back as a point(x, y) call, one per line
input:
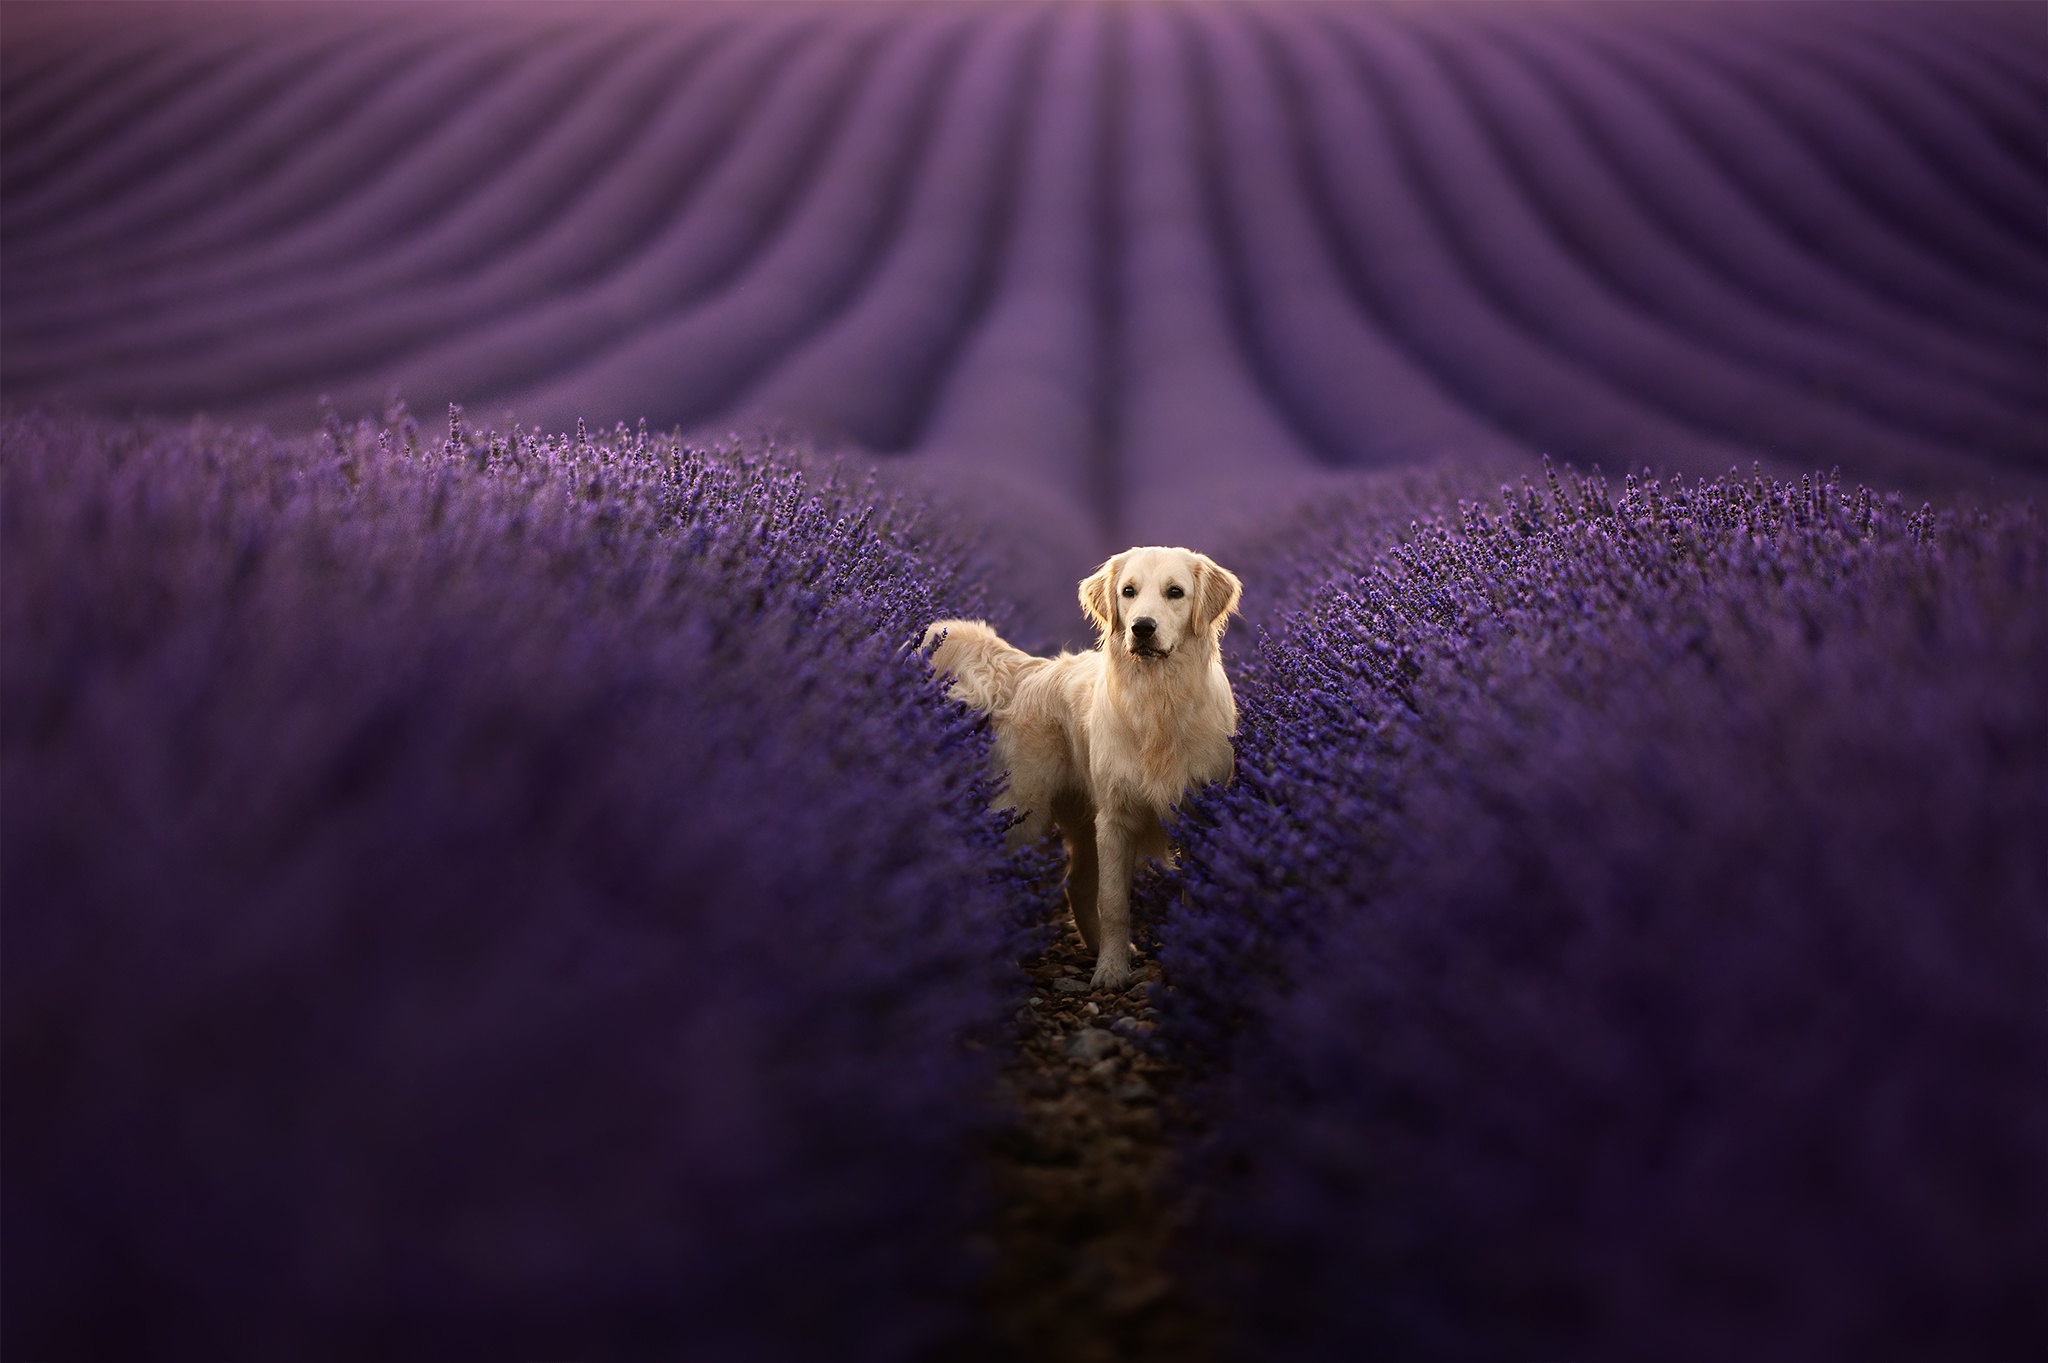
point(1087, 1210)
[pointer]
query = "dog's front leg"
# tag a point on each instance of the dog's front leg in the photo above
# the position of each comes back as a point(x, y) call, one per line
point(1115, 850)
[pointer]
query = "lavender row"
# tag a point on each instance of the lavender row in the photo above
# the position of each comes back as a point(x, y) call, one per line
point(933, 75)
point(1738, 351)
point(485, 895)
point(1613, 225)
point(627, 254)
point(1143, 264)
point(1623, 938)
point(1403, 269)
point(1939, 256)
point(1855, 119)
point(211, 164)
point(1741, 237)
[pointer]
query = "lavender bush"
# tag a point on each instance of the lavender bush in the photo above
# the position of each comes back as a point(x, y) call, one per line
point(1624, 938)
point(483, 896)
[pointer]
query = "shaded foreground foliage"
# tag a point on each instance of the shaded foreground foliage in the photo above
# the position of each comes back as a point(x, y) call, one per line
point(484, 895)
point(1625, 937)
point(512, 895)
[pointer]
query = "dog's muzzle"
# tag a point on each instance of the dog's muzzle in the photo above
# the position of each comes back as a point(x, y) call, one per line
point(1143, 630)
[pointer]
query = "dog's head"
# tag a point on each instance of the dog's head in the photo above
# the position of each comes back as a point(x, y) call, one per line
point(1149, 602)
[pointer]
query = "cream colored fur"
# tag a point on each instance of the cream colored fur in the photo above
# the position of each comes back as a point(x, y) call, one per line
point(1099, 746)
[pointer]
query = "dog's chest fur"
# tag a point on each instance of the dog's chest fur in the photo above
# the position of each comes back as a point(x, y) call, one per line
point(1174, 716)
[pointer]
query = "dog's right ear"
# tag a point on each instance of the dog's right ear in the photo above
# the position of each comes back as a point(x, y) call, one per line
point(1099, 600)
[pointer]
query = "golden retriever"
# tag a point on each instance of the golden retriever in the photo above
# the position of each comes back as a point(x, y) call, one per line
point(1100, 745)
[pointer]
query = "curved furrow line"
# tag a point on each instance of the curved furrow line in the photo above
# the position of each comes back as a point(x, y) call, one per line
point(1395, 252)
point(173, 161)
point(486, 134)
point(1366, 402)
point(45, 169)
point(1990, 33)
point(349, 166)
point(573, 156)
point(1610, 235)
point(1508, 243)
point(2013, 113)
point(94, 296)
point(691, 198)
point(516, 204)
point(653, 178)
point(491, 134)
point(1951, 141)
point(30, 70)
point(318, 334)
point(146, 272)
point(66, 65)
point(1020, 400)
point(1196, 439)
point(112, 85)
point(445, 177)
point(153, 154)
point(868, 375)
point(1510, 238)
point(681, 366)
point(1883, 171)
point(1787, 182)
point(1698, 205)
point(236, 151)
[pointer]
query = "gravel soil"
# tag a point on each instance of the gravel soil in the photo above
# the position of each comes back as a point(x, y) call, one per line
point(1088, 1207)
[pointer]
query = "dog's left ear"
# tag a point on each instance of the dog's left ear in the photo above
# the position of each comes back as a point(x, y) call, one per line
point(1097, 598)
point(1216, 594)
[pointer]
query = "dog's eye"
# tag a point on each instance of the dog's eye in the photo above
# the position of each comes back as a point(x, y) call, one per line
point(1174, 593)
point(1130, 589)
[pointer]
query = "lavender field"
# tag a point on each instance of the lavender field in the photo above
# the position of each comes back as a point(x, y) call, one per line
point(484, 876)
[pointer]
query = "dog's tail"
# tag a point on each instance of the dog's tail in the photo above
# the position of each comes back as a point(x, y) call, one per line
point(984, 668)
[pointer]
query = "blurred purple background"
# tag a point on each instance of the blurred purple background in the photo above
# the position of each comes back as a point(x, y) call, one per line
point(1118, 271)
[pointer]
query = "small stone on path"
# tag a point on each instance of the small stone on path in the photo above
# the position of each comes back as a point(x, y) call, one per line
point(1091, 1043)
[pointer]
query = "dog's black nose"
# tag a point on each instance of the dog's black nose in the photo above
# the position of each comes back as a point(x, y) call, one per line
point(1143, 627)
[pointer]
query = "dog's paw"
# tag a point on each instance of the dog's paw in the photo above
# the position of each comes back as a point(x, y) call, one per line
point(1112, 973)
